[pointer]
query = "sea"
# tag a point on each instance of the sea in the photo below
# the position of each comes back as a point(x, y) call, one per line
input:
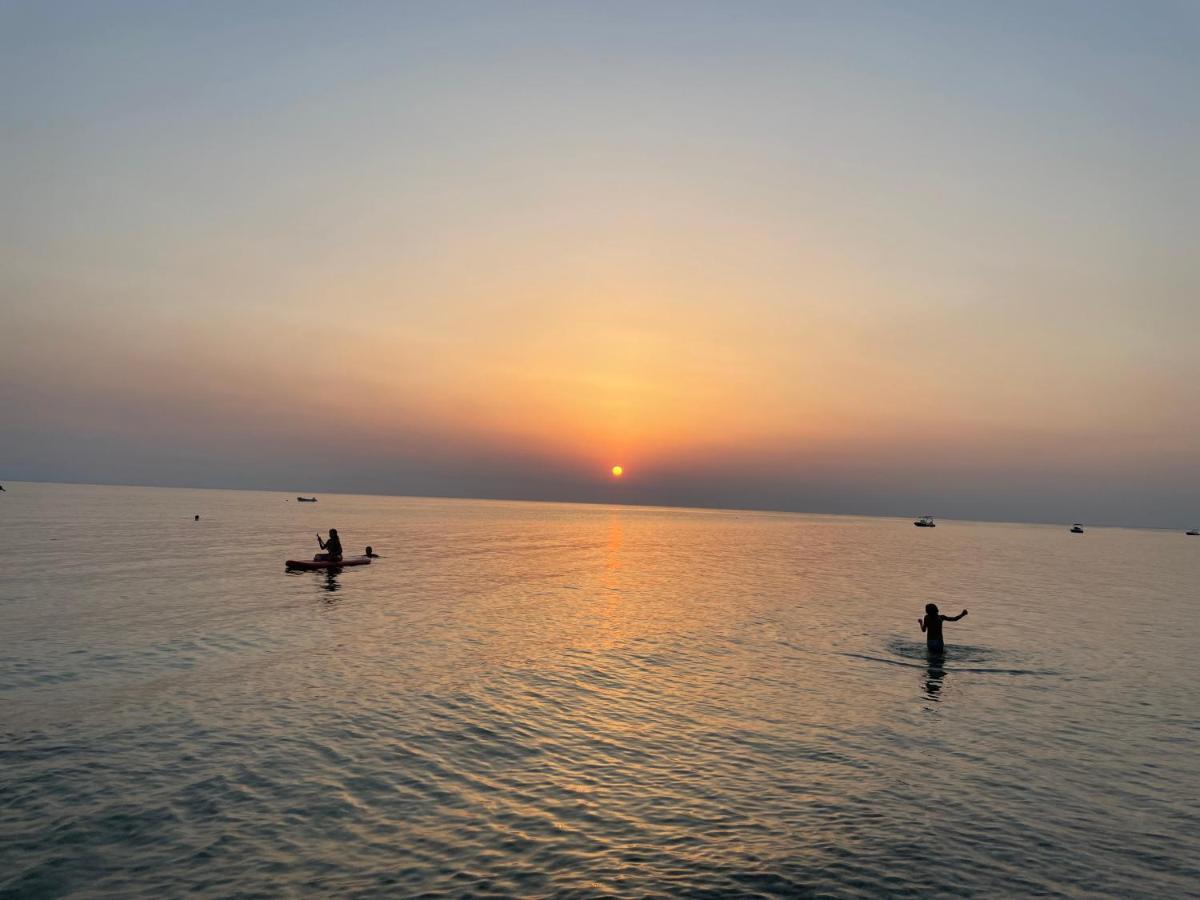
point(558, 700)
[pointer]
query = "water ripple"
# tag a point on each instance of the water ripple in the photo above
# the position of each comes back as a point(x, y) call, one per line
point(526, 700)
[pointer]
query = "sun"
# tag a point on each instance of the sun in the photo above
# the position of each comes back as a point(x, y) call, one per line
point(617, 471)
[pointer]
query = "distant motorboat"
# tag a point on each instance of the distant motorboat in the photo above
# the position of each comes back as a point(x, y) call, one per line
point(307, 499)
point(925, 522)
point(1077, 529)
point(1193, 532)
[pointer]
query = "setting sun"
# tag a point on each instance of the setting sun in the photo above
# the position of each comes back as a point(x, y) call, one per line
point(617, 471)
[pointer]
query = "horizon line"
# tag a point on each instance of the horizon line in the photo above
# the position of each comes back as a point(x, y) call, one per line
point(600, 503)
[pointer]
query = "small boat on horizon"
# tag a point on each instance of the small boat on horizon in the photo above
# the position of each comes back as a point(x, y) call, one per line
point(925, 522)
point(307, 499)
point(1076, 528)
point(1194, 531)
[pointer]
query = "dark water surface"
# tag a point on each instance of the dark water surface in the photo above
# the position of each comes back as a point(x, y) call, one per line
point(533, 699)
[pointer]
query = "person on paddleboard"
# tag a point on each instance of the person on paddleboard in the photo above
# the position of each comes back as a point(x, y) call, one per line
point(932, 626)
point(332, 547)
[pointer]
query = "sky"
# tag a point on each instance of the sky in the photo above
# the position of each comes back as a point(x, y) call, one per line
point(886, 258)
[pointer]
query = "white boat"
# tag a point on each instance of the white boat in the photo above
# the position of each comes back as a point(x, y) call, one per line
point(1194, 531)
point(925, 522)
point(1077, 529)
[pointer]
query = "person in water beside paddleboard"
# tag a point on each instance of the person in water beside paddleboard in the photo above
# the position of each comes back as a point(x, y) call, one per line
point(932, 626)
point(332, 547)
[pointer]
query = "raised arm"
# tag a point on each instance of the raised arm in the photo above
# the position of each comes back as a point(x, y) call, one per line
point(321, 542)
point(955, 618)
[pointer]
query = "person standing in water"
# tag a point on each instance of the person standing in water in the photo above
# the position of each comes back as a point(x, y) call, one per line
point(932, 626)
point(332, 547)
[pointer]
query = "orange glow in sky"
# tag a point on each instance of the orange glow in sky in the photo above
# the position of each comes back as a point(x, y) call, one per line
point(768, 275)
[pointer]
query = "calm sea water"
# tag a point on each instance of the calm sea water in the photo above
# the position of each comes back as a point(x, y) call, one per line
point(535, 699)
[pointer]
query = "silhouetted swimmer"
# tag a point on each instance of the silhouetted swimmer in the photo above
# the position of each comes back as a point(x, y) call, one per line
point(932, 626)
point(371, 553)
point(197, 517)
point(332, 547)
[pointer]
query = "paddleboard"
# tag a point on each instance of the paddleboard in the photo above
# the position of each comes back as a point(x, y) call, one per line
point(328, 564)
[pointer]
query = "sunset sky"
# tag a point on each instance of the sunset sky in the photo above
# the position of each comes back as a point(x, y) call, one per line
point(852, 257)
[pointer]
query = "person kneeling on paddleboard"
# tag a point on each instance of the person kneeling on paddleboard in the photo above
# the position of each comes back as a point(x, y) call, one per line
point(332, 547)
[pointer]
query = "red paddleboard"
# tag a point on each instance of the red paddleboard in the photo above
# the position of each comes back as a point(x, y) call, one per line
point(328, 564)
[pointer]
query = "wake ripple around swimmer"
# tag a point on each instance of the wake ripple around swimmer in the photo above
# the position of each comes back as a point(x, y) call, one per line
point(939, 663)
point(957, 658)
point(916, 656)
